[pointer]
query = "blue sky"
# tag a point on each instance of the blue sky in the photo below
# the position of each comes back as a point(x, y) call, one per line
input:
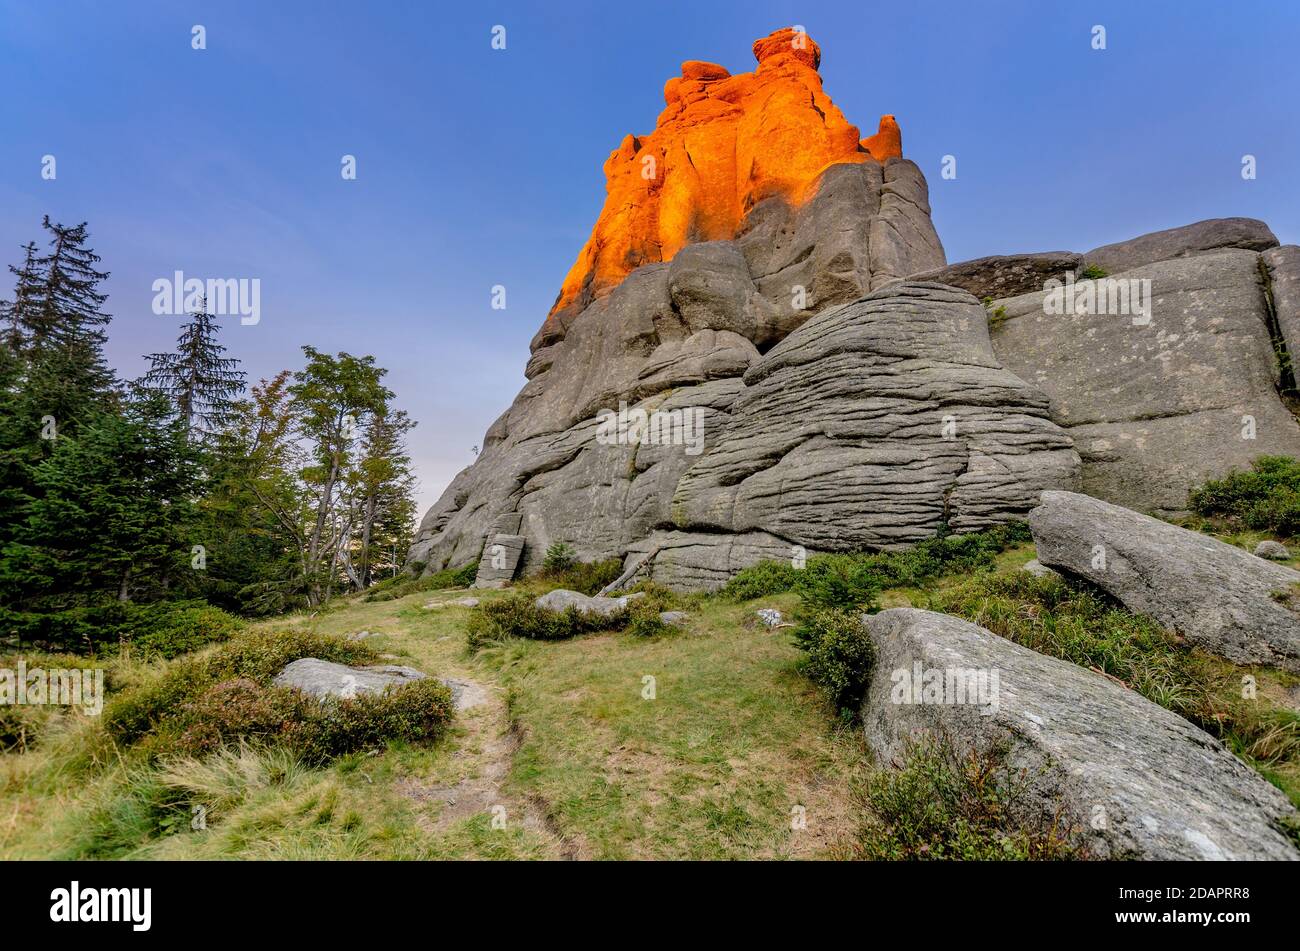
point(479, 167)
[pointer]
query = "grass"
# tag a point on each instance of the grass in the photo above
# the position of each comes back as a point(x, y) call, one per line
point(704, 743)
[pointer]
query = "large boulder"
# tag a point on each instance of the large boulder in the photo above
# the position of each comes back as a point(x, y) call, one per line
point(1185, 241)
point(1157, 403)
point(1219, 597)
point(764, 208)
point(1005, 275)
point(1136, 780)
point(874, 424)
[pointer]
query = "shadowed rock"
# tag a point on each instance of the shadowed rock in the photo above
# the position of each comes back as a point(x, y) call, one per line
point(1137, 780)
point(1219, 597)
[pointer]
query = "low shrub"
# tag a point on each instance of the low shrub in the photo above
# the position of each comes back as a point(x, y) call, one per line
point(585, 577)
point(1083, 626)
point(838, 654)
point(559, 557)
point(391, 589)
point(415, 712)
point(255, 656)
point(516, 615)
point(938, 803)
point(230, 711)
point(178, 629)
point(849, 580)
point(163, 629)
point(1267, 498)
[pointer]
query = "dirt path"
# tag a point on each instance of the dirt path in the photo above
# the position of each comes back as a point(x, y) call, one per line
point(486, 754)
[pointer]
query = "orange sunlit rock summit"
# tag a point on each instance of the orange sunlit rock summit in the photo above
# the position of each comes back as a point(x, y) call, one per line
point(722, 144)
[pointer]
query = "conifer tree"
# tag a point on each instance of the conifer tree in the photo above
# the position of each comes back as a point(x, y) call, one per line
point(201, 383)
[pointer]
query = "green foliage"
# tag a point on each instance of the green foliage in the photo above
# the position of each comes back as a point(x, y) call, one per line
point(942, 804)
point(838, 654)
point(1092, 272)
point(1080, 625)
point(853, 580)
point(559, 557)
point(206, 703)
point(162, 629)
point(256, 656)
point(402, 585)
point(416, 712)
point(316, 731)
point(1267, 498)
point(997, 315)
point(516, 615)
point(585, 577)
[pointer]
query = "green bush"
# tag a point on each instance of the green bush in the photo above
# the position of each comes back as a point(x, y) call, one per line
point(255, 656)
point(938, 803)
point(516, 615)
point(399, 587)
point(161, 629)
point(585, 577)
point(848, 580)
point(1265, 499)
point(173, 630)
point(415, 712)
point(838, 654)
point(232, 710)
point(559, 557)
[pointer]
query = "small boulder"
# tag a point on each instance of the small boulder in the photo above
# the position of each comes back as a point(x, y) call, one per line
point(674, 618)
point(562, 599)
point(1136, 780)
point(770, 617)
point(1274, 551)
point(323, 678)
point(1039, 570)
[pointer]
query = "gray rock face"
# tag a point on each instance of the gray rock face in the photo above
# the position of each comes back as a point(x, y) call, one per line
point(1188, 240)
point(1157, 408)
point(500, 561)
point(873, 424)
point(1005, 275)
point(322, 678)
point(1219, 597)
point(672, 338)
point(1274, 551)
point(1138, 781)
point(1282, 267)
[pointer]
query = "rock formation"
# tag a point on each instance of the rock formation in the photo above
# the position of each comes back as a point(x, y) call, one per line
point(722, 144)
point(761, 353)
point(872, 424)
point(1156, 406)
point(1135, 779)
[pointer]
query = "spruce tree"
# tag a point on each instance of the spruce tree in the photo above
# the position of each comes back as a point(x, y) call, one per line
point(200, 382)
